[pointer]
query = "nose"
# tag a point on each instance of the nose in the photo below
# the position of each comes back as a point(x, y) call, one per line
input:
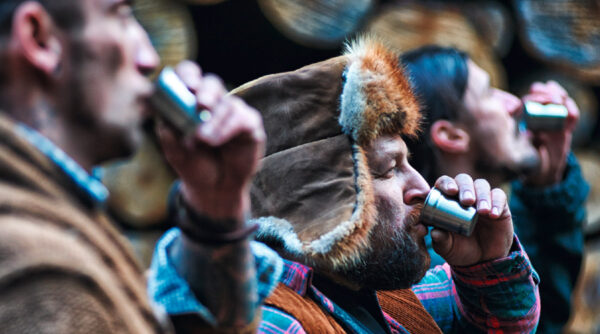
point(146, 57)
point(416, 189)
point(512, 104)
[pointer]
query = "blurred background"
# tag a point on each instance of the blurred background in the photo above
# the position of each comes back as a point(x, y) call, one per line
point(517, 42)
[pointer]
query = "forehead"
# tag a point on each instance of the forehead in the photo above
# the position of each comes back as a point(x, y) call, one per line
point(478, 78)
point(92, 7)
point(386, 146)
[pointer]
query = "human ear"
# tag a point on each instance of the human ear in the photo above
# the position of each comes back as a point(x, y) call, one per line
point(34, 33)
point(449, 137)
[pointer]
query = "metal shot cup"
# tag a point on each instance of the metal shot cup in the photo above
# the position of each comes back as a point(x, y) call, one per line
point(176, 104)
point(447, 214)
point(544, 117)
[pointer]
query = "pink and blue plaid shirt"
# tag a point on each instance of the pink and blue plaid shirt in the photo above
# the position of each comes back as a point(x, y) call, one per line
point(499, 296)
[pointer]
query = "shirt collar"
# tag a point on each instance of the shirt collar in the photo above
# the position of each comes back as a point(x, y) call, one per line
point(90, 186)
point(296, 276)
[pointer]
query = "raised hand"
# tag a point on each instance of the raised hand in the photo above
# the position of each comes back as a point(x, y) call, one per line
point(552, 146)
point(217, 163)
point(492, 237)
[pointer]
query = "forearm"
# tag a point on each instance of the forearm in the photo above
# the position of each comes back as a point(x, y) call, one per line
point(212, 254)
point(500, 294)
point(221, 277)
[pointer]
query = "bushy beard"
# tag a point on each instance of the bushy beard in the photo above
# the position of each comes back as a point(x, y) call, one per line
point(396, 260)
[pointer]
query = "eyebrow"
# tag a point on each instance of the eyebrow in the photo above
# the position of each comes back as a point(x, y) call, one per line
point(395, 151)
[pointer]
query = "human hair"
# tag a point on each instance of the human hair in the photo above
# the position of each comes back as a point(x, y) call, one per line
point(67, 14)
point(439, 79)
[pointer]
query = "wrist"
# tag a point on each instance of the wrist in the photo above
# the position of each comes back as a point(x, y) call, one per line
point(219, 204)
point(207, 230)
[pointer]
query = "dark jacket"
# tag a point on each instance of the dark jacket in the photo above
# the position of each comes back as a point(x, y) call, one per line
point(549, 224)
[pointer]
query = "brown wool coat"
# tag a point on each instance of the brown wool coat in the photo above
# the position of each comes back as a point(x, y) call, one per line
point(63, 267)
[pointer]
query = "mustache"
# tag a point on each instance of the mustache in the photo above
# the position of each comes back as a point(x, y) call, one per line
point(413, 217)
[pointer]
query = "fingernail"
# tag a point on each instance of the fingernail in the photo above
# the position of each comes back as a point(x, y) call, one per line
point(495, 211)
point(452, 186)
point(484, 205)
point(468, 195)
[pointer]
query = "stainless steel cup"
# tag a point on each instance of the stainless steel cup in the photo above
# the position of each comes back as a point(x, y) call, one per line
point(175, 103)
point(545, 117)
point(447, 214)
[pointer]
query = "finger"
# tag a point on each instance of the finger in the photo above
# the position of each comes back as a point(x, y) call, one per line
point(191, 74)
point(498, 203)
point(208, 131)
point(542, 98)
point(466, 189)
point(482, 191)
point(211, 93)
point(169, 142)
point(557, 89)
point(442, 241)
point(447, 185)
point(548, 87)
point(552, 93)
point(243, 122)
point(573, 116)
point(537, 87)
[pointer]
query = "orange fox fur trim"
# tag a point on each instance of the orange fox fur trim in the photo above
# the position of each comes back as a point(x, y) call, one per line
point(389, 105)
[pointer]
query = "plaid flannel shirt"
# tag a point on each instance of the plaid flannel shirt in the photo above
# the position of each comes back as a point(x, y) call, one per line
point(171, 293)
point(498, 296)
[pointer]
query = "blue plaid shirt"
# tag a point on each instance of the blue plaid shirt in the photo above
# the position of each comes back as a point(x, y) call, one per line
point(169, 290)
point(89, 186)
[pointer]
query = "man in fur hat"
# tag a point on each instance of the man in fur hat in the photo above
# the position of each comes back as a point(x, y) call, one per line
point(337, 198)
point(73, 92)
point(473, 128)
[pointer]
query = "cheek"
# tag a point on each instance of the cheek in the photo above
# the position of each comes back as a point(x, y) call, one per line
point(108, 47)
point(389, 202)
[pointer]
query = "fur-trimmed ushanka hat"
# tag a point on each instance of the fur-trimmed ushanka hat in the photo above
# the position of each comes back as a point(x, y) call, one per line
point(313, 196)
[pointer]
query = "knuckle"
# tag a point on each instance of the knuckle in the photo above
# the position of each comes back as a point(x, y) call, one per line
point(187, 66)
point(442, 180)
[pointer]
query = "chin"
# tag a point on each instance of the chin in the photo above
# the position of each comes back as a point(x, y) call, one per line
point(119, 143)
point(399, 262)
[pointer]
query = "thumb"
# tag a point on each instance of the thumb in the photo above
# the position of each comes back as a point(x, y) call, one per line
point(442, 241)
